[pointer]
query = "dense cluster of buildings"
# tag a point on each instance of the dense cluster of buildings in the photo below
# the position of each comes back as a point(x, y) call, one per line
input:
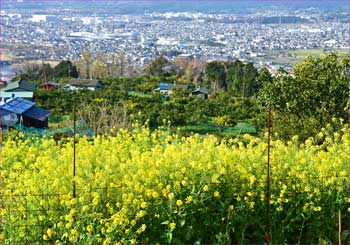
point(56, 35)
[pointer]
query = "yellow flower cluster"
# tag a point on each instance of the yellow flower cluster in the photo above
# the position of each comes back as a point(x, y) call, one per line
point(129, 185)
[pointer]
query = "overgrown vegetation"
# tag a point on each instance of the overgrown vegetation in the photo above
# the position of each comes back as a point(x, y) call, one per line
point(301, 103)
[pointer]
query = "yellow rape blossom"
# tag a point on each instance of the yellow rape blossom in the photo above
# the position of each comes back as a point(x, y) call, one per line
point(171, 196)
point(189, 199)
point(141, 229)
point(49, 232)
point(179, 203)
point(172, 226)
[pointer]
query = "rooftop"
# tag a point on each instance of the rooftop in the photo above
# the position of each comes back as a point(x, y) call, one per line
point(24, 85)
point(17, 105)
point(84, 82)
point(26, 108)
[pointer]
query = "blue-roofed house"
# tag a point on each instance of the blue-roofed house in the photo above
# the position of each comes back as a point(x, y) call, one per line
point(19, 110)
point(163, 88)
point(167, 88)
point(17, 105)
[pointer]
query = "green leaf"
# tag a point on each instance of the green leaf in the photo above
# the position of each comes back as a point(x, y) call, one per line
point(182, 222)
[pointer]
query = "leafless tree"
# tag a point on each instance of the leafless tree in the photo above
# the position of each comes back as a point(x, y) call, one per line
point(103, 119)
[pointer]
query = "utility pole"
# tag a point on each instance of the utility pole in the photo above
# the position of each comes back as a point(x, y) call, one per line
point(44, 72)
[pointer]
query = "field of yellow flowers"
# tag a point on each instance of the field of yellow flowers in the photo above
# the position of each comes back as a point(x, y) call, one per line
point(156, 187)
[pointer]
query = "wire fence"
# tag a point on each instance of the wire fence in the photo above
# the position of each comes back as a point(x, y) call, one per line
point(27, 217)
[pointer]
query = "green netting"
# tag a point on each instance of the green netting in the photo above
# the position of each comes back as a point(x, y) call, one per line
point(82, 129)
point(140, 95)
point(242, 128)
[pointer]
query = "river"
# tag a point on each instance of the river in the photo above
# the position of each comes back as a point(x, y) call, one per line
point(6, 72)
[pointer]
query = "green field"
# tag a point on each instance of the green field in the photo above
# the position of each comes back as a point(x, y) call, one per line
point(212, 128)
point(297, 56)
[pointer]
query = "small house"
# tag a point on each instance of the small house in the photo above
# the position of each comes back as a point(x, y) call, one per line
point(185, 57)
point(163, 88)
point(21, 89)
point(36, 117)
point(201, 92)
point(167, 89)
point(50, 86)
point(19, 110)
point(90, 84)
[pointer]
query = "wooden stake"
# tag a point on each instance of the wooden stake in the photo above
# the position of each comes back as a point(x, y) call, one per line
point(267, 227)
point(339, 225)
point(1, 170)
point(74, 150)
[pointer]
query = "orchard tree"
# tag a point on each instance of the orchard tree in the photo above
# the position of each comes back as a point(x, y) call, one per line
point(159, 66)
point(65, 69)
point(264, 76)
point(307, 100)
point(215, 74)
point(242, 79)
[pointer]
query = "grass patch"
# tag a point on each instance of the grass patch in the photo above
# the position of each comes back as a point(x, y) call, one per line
point(209, 127)
point(297, 56)
point(242, 128)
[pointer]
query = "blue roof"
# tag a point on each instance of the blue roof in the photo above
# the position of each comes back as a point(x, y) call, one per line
point(37, 113)
point(164, 86)
point(17, 105)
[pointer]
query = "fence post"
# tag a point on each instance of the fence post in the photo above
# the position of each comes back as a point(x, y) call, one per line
point(348, 179)
point(74, 158)
point(42, 211)
point(74, 149)
point(267, 227)
point(26, 217)
point(106, 193)
point(339, 226)
point(347, 73)
point(1, 197)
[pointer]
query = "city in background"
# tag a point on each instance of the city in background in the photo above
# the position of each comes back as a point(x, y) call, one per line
point(276, 33)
